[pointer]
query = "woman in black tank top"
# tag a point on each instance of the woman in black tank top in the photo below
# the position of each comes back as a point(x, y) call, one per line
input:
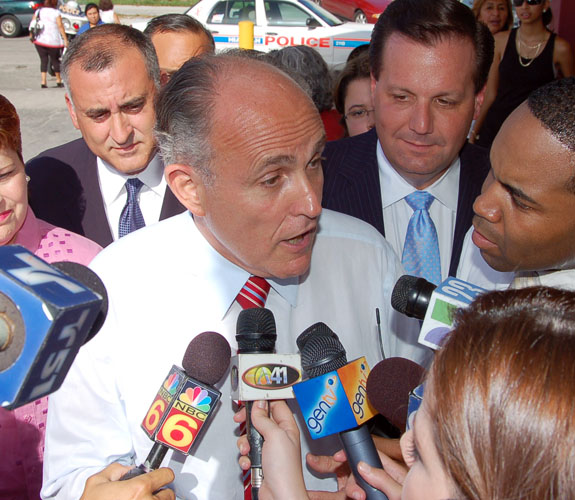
point(525, 59)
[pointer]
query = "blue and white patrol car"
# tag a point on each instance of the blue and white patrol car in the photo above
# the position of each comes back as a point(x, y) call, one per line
point(280, 23)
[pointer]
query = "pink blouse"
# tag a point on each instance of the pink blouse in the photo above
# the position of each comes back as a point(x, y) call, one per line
point(22, 430)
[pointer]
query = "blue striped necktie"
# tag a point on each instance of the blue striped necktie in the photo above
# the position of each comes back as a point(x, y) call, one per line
point(421, 249)
point(131, 217)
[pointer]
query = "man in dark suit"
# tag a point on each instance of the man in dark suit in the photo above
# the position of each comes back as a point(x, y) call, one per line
point(112, 180)
point(429, 63)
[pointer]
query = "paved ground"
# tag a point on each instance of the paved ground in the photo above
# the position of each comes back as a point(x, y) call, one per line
point(44, 118)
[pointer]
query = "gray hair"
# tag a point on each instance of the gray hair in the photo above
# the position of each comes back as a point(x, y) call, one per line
point(98, 48)
point(305, 63)
point(179, 23)
point(186, 104)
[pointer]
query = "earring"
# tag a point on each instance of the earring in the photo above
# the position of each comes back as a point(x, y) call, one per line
point(27, 178)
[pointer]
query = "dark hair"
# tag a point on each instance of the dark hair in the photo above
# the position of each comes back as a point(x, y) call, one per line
point(501, 397)
point(106, 5)
point(10, 135)
point(51, 3)
point(547, 16)
point(428, 22)
point(358, 51)
point(178, 23)
point(553, 105)
point(98, 48)
point(91, 6)
point(355, 69)
point(310, 66)
point(477, 4)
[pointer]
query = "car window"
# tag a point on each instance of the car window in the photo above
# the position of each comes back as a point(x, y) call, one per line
point(328, 17)
point(232, 12)
point(285, 14)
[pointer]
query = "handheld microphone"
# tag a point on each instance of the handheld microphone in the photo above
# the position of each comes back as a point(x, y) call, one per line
point(186, 400)
point(46, 315)
point(255, 334)
point(389, 385)
point(418, 298)
point(334, 400)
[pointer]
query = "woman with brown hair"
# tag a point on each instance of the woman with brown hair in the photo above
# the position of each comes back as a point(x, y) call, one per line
point(352, 96)
point(495, 14)
point(498, 415)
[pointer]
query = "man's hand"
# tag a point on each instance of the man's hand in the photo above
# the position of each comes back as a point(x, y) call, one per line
point(281, 455)
point(390, 479)
point(337, 464)
point(106, 485)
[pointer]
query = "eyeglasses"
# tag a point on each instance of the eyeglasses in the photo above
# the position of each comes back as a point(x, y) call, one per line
point(519, 3)
point(358, 114)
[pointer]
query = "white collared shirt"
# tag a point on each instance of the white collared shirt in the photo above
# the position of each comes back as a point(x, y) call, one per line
point(114, 194)
point(166, 284)
point(397, 212)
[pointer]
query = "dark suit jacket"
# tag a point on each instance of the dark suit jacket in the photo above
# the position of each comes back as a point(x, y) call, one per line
point(351, 184)
point(64, 190)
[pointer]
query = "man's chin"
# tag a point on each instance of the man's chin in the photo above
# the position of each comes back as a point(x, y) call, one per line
point(497, 263)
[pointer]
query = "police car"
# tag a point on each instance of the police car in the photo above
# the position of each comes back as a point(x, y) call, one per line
point(280, 23)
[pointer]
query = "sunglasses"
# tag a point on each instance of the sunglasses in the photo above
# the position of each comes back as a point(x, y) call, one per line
point(519, 3)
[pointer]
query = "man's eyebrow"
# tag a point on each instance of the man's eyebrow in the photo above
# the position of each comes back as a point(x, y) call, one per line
point(518, 193)
point(290, 159)
point(131, 103)
point(134, 102)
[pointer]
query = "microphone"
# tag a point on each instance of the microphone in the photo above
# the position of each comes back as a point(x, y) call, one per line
point(389, 385)
point(418, 298)
point(185, 401)
point(46, 315)
point(255, 334)
point(334, 400)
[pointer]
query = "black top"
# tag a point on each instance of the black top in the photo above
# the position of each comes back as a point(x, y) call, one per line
point(516, 82)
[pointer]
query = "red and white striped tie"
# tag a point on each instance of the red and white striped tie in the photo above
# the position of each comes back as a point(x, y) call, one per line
point(253, 294)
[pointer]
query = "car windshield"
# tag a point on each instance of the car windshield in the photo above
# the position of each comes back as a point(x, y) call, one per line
point(326, 16)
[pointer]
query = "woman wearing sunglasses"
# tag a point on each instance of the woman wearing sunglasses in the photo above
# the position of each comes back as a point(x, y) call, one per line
point(525, 58)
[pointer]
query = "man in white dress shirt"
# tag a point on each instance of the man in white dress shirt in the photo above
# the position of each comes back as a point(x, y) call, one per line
point(524, 220)
point(429, 62)
point(111, 75)
point(246, 162)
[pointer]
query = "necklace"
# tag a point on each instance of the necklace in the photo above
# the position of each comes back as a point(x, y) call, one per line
point(519, 43)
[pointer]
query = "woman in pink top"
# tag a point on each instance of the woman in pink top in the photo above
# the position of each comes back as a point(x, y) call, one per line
point(22, 430)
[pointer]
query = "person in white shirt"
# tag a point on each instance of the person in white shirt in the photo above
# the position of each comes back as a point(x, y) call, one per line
point(111, 75)
point(524, 222)
point(429, 62)
point(245, 160)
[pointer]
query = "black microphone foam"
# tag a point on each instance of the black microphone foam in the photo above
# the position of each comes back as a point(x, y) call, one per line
point(322, 354)
point(91, 280)
point(207, 357)
point(256, 330)
point(388, 386)
point(318, 329)
point(411, 296)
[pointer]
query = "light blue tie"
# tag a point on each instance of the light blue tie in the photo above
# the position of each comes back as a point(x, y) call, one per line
point(421, 250)
point(131, 217)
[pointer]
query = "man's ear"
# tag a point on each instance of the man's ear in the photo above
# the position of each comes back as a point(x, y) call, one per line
point(72, 111)
point(479, 97)
point(188, 187)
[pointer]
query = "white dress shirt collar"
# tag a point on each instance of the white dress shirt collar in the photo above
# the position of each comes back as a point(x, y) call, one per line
point(112, 182)
point(394, 187)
